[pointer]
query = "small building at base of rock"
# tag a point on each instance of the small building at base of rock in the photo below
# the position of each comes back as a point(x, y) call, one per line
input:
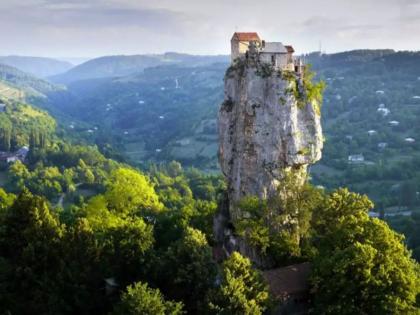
point(290, 287)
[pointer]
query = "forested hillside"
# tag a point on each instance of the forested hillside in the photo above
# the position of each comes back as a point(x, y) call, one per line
point(119, 66)
point(21, 123)
point(161, 114)
point(372, 105)
point(16, 84)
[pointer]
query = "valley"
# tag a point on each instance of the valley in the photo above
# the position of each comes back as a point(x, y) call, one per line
point(99, 186)
point(168, 112)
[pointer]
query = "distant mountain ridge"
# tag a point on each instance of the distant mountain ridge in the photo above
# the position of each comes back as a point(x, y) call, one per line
point(119, 66)
point(37, 66)
point(13, 79)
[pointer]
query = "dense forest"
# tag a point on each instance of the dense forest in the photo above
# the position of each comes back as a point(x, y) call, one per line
point(85, 230)
point(84, 234)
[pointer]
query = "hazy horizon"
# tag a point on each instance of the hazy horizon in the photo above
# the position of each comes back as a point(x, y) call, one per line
point(65, 28)
point(80, 60)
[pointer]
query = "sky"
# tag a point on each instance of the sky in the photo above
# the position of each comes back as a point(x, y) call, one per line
point(92, 28)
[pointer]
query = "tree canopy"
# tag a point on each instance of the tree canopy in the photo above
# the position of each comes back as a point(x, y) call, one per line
point(363, 267)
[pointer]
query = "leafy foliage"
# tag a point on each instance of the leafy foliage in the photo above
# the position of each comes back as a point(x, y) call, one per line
point(22, 124)
point(279, 227)
point(127, 190)
point(188, 265)
point(29, 246)
point(363, 266)
point(242, 289)
point(140, 299)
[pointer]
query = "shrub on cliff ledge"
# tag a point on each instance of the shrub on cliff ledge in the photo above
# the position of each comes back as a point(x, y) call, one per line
point(314, 91)
point(279, 227)
point(305, 90)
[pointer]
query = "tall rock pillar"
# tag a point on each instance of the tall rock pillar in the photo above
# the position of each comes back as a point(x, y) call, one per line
point(265, 130)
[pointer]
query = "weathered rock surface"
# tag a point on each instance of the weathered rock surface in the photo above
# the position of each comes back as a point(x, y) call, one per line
point(263, 133)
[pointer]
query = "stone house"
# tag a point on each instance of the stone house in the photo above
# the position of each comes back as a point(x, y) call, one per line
point(22, 153)
point(356, 158)
point(240, 43)
point(244, 45)
point(274, 53)
point(290, 51)
point(19, 155)
point(8, 157)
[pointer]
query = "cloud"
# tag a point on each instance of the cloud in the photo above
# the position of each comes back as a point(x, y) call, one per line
point(95, 14)
point(98, 27)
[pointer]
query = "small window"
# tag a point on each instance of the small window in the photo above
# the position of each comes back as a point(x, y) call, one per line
point(273, 59)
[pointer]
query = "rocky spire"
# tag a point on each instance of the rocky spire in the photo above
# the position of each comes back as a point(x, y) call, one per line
point(267, 127)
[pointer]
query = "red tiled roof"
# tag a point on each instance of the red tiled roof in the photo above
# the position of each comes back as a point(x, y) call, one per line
point(289, 49)
point(246, 37)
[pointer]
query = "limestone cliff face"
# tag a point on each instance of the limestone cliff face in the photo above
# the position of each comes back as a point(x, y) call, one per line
point(264, 131)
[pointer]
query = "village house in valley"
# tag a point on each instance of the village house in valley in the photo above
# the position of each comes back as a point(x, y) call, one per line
point(2, 107)
point(19, 155)
point(244, 45)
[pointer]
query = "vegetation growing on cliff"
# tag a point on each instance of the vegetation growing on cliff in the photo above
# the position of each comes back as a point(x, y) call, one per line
point(304, 89)
point(280, 227)
point(264, 70)
point(238, 65)
point(227, 105)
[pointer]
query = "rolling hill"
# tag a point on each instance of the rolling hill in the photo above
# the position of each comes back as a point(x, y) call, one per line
point(146, 115)
point(30, 85)
point(371, 108)
point(37, 66)
point(118, 66)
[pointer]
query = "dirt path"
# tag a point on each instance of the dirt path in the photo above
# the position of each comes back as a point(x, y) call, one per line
point(63, 195)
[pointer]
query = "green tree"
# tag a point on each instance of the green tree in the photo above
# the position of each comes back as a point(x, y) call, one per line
point(125, 250)
point(139, 299)
point(79, 284)
point(6, 200)
point(5, 133)
point(18, 173)
point(242, 289)
point(362, 266)
point(189, 264)
point(280, 226)
point(30, 252)
point(130, 191)
point(174, 169)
